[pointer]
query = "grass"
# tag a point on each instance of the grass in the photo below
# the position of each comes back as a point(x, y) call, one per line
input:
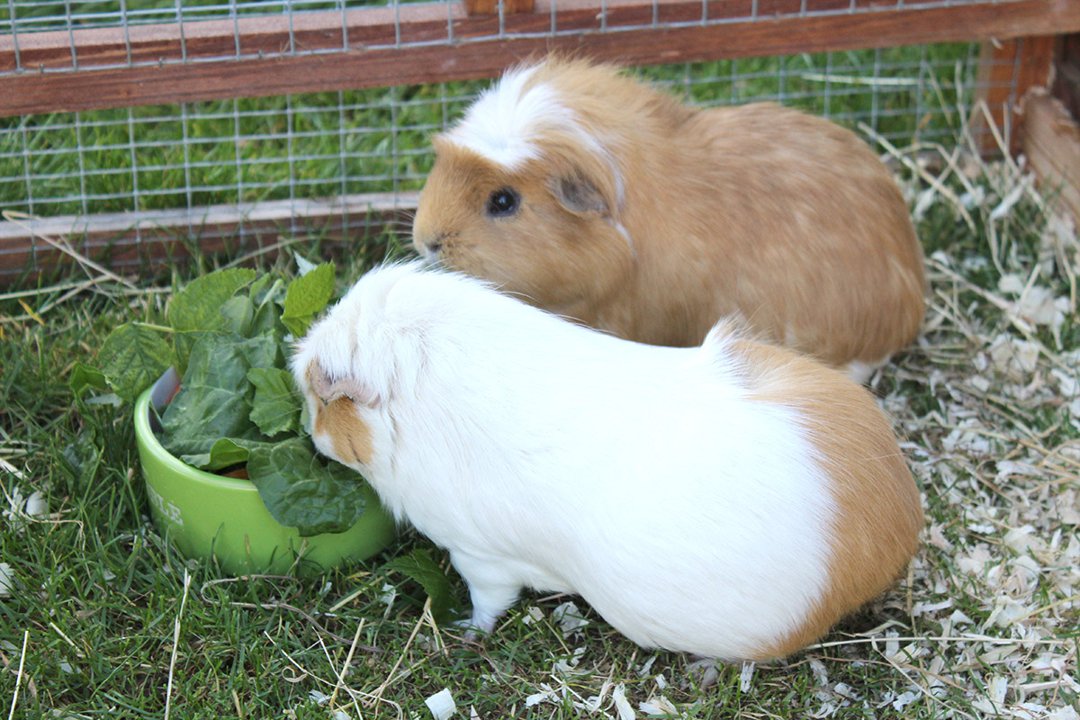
point(987, 620)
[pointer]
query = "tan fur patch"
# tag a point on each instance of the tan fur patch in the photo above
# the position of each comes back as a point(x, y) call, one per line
point(876, 531)
point(350, 436)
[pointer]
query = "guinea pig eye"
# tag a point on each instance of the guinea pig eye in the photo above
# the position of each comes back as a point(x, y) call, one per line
point(503, 203)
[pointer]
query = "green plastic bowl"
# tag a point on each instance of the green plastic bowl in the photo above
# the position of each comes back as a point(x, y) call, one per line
point(207, 515)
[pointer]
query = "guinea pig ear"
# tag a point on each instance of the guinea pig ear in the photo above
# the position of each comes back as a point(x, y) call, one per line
point(329, 389)
point(579, 195)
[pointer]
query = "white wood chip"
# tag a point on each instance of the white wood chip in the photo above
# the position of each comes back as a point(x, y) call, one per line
point(745, 676)
point(36, 505)
point(569, 617)
point(303, 265)
point(658, 705)
point(622, 705)
point(441, 704)
point(7, 580)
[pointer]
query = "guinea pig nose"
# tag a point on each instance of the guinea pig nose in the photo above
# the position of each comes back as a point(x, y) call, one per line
point(434, 244)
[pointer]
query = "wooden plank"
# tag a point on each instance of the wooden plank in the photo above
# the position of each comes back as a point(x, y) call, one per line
point(1050, 138)
point(1067, 73)
point(1007, 70)
point(491, 7)
point(154, 239)
point(379, 60)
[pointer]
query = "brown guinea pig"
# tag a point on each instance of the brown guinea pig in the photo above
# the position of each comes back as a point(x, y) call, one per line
point(592, 195)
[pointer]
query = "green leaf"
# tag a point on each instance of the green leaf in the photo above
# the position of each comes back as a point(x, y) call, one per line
point(261, 287)
point(215, 396)
point(306, 297)
point(238, 312)
point(276, 407)
point(198, 305)
point(132, 358)
point(197, 308)
point(84, 377)
point(198, 417)
point(304, 491)
point(227, 452)
point(419, 566)
point(261, 351)
point(267, 310)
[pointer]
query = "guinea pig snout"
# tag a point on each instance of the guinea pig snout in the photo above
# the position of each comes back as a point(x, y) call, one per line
point(328, 389)
point(337, 427)
point(432, 244)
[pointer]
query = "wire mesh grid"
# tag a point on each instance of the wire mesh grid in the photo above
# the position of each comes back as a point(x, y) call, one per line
point(373, 143)
point(294, 148)
point(202, 30)
point(344, 143)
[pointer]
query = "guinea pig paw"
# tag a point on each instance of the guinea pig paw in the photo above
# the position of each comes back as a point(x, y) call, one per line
point(474, 628)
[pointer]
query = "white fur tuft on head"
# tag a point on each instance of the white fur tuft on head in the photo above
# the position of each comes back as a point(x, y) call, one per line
point(503, 123)
point(507, 121)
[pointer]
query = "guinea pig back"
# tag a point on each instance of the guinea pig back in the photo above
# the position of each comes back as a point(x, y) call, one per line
point(732, 500)
point(592, 195)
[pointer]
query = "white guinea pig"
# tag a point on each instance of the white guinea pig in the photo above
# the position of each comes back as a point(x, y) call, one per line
point(731, 500)
point(596, 197)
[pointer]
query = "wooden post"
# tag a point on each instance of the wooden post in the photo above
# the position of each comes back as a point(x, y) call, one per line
point(1050, 139)
point(1067, 73)
point(1050, 131)
point(1007, 70)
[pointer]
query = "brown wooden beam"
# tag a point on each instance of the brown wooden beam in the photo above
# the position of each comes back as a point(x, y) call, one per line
point(1050, 138)
point(1067, 73)
point(491, 7)
point(376, 57)
point(151, 240)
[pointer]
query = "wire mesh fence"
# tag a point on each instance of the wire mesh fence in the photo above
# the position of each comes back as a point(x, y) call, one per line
point(346, 143)
point(291, 149)
point(202, 30)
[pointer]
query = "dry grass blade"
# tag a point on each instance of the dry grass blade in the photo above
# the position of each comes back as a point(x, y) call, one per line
point(176, 644)
point(930, 179)
point(19, 219)
point(19, 674)
point(345, 666)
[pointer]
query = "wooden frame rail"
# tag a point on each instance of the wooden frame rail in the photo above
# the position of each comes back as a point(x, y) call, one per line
point(424, 43)
point(134, 241)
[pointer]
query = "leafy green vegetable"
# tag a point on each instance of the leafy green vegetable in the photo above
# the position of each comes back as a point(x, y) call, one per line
point(226, 452)
point(133, 357)
point(267, 309)
point(276, 408)
point(83, 377)
point(215, 399)
point(238, 312)
point(306, 297)
point(236, 402)
point(198, 307)
point(419, 566)
point(304, 490)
